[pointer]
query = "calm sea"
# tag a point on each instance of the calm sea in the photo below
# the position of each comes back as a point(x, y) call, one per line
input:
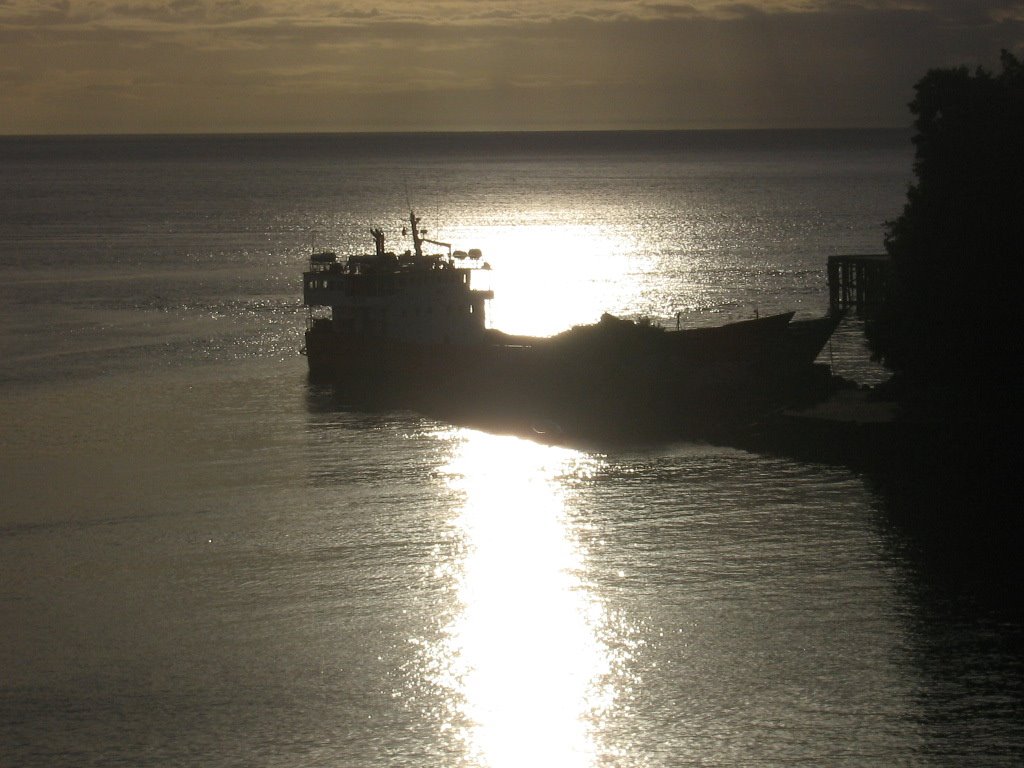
point(205, 561)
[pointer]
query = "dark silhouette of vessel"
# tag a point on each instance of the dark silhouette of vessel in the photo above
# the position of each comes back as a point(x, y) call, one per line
point(409, 330)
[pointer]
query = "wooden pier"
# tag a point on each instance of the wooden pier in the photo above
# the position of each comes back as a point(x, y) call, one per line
point(859, 281)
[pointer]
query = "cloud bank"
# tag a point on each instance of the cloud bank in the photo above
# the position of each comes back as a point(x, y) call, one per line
point(112, 66)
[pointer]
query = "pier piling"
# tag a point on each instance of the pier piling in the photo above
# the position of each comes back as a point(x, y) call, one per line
point(858, 281)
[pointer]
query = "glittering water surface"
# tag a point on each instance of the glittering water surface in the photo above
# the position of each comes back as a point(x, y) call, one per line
point(205, 561)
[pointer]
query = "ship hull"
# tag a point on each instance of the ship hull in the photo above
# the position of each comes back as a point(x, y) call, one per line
point(615, 378)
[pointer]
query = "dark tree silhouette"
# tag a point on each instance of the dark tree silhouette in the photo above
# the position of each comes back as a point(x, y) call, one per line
point(951, 329)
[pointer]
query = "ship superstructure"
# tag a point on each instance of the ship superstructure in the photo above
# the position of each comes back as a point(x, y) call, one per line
point(409, 297)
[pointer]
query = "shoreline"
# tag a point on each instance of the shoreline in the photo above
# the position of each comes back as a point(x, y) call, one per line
point(955, 480)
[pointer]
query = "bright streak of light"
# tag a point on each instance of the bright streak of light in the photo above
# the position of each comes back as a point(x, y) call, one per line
point(524, 659)
point(548, 278)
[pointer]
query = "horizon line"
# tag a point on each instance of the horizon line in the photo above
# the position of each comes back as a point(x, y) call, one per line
point(457, 131)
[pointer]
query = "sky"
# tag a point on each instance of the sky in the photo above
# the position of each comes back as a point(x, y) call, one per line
point(207, 66)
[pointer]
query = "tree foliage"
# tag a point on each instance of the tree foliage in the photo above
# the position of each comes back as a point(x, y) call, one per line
point(951, 327)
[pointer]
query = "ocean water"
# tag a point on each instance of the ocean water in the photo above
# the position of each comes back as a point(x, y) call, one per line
point(205, 560)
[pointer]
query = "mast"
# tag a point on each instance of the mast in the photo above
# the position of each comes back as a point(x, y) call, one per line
point(418, 238)
point(417, 241)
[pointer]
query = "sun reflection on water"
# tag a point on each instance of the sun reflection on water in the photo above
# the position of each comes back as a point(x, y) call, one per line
point(524, 662)
point(549, 277)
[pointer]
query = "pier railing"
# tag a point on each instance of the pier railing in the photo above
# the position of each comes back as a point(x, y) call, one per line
point(858, 281)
